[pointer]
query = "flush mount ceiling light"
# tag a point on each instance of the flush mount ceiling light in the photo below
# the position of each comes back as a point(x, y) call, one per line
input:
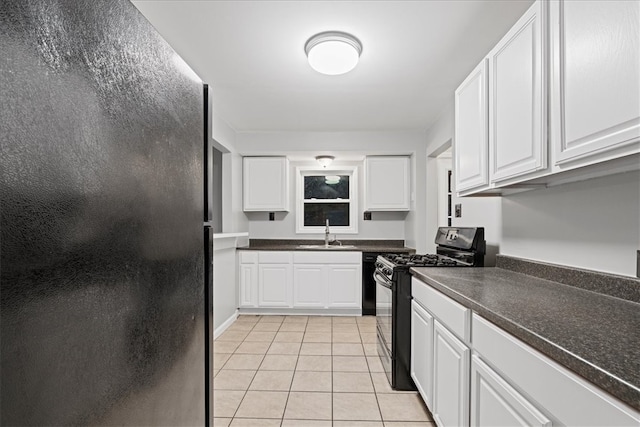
point(324, 160)
point(331, 179)
point(333, 52)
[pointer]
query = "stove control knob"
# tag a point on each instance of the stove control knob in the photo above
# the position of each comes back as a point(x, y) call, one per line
point(387, 271)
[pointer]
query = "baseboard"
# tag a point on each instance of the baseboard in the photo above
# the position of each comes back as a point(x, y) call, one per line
point(302, 311)
point(220, 329)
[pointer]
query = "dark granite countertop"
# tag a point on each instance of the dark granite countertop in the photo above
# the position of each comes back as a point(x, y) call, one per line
point(396, 246)
point(596, 335)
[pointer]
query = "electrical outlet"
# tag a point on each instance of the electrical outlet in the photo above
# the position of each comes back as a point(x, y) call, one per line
point(272, 216)
point(367, 216)
point(458, 210)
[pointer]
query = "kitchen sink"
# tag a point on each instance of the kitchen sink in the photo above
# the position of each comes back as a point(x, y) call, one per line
point(330, 247)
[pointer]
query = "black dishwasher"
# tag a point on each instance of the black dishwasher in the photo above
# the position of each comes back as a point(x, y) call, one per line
point(368, 284)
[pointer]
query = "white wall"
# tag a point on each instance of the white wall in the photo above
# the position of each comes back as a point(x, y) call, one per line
point(349, 148)
point(593, 224)
point(225, 289)
point(476, 212)
point(415, 227)
point(225, 297)
point(224, 139)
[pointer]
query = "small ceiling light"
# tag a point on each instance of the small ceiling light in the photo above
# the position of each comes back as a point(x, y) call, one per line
point(324, 160)
point(333, 52)
point(331, 179)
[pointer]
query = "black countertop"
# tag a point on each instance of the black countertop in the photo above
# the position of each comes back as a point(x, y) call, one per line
point(392, 246)
point(596, 335)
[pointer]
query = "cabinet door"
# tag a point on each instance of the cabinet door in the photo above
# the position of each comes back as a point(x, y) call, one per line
point(345, 286)
point(517, 99)
point(265, 185)
point(451, 360)
point(310, 285)
point(495, 403)
point(595, 80)
point(471, 131)
point(248, 285)
point(274, 285)
point(387, 183)
point(422, 351)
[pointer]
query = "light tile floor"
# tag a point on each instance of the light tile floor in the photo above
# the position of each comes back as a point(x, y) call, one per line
point(298, 371)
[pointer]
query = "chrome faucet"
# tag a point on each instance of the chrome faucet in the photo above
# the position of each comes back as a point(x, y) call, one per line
point(326, 233)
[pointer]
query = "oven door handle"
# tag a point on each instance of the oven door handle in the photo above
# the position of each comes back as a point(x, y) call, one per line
point(381, 280)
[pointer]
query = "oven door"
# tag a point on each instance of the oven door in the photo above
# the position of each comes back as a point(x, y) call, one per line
point(384, 304)
point(384, 322)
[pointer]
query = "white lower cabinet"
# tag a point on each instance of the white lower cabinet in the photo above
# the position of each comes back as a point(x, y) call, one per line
point(309, 289)
point(300, 280)
point(274, 285)
point(563, 397)
point(495, 403)
point(344, 286)
point(248, 278)
point(248, 285)
point(450, 378)
point(505, 382)
point(440, 354)
point(422, 351)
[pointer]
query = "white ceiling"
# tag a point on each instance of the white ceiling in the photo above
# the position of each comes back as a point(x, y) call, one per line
point(415, 53)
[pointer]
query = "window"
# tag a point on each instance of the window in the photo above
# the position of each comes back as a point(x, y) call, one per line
point(323, 194)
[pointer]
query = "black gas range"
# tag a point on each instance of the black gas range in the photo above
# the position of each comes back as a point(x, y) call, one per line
point(456, 247)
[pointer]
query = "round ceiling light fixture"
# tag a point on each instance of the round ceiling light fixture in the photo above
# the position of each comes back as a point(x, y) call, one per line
point(331, 179)
point(324, 161)
point(333, 52)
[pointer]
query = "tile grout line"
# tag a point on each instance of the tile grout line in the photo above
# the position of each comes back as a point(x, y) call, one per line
point(293, 376)
point(361, 329)
point(247, 390)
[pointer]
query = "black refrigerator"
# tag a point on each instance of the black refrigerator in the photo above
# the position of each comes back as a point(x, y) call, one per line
point(105, 270)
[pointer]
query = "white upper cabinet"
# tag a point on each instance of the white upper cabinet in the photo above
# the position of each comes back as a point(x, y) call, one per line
point(517, 99)
point(562, 98)
point(500, 110)
point(387, 183)
point(471, 131)
point(265, 185)
point(595, 80)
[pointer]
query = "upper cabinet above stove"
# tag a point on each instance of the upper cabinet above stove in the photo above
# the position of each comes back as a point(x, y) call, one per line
point(387, 183)
point(595, 80)
point(584, 57)
point(500, 109)
point(265, 184)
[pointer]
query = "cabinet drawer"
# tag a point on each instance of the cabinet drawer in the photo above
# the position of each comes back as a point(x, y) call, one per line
point(451, 314)
point(495, 403)
point(324, 257)
point(248, 257)
point(274, 257)
point(567, 397)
